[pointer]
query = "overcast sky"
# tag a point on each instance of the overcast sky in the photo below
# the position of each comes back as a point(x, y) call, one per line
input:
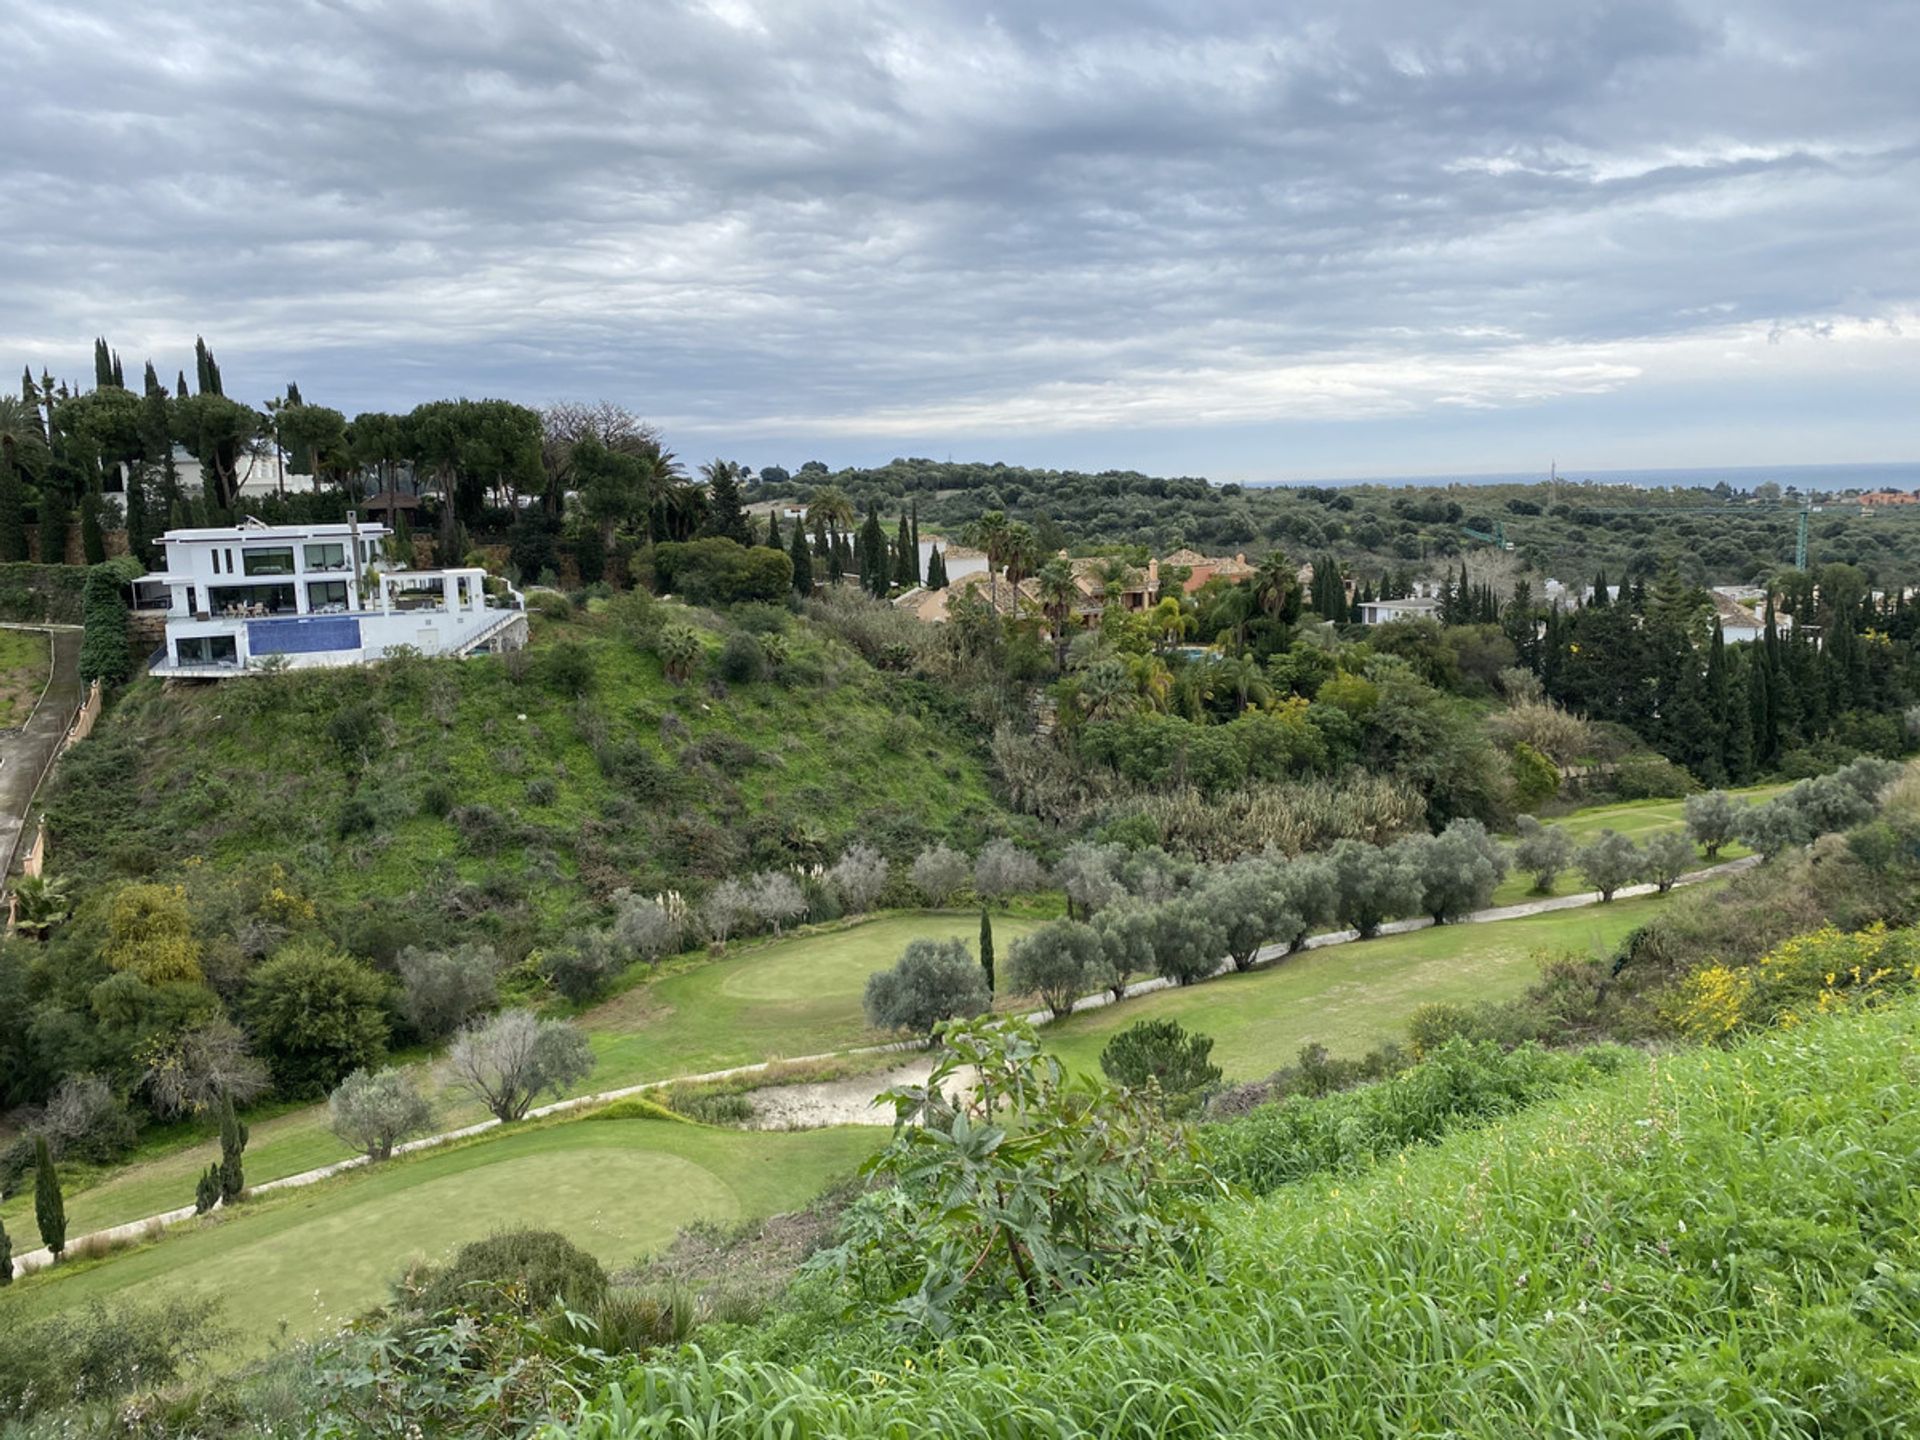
point(1240, 239)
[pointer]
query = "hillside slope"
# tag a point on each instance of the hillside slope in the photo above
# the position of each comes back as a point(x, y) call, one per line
point(1715, 1243)
point(516, 793)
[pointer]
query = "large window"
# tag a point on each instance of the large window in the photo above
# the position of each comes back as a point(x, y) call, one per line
point(207, 650)
point(241, 600)
point(325, 595)
point(326, 557)
point(277, 560)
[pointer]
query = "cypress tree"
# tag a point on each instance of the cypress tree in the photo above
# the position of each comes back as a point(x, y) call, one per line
point(1737, 740)
point(119, 375)
point(49, 1206)
point(13, 514)
point(774, 542)
point(820, 545)
point(916, 539)
point(29, 396)
point(1760, 713)
point(102, 364)
point(206, 1194)
point(180, 385)
point(105, 654)
point(986, 947)
point(1599, 600)
point(936, 569)
point(906, 574)
point(93, 541)
point(801, 554)
point(875, 573)
point(233, 1142)
point(836, 560)
point(150, 383)
point(54, 516)
point(6, 1257)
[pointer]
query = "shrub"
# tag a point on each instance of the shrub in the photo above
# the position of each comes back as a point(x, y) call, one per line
point(524, 1271)
point(773, 897)
point(96, 1351)
point(938, 873)
point(581, 970)
point(440, 990)
point(1166, 1055)
point(743, 660)
point(150, 934)
point(1772, 828)
point(1541, 851)
point(1608, 861)
point(85, 1120)
point(318, 1015)
point(1651, 777)
point(643, 928)
point(1058, 962)
point(717, 571)
point(1818, 974)
point(373, 1113)
point(934, 980)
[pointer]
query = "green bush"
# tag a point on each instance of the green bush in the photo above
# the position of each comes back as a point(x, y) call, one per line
point(99, 1351)
point(1164, 1053)
point(717, 571)
point(518, 1271)
point(742, 660)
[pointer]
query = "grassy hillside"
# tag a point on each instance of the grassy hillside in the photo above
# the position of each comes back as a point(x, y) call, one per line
point(515, 793)
point(1719, 1242)
point(309, 1260)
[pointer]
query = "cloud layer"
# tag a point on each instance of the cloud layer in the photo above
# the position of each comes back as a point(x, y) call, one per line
point(866, 223)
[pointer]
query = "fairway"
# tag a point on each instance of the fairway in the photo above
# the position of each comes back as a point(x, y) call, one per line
point(762, 1000)
point(1352, 997)
point(311, 1259)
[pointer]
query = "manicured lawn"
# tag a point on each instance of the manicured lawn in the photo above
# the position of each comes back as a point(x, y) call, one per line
point(24, 658)
point(1637, 819)
point(764, 1000)
point(1350, 998)
point(311, 1259)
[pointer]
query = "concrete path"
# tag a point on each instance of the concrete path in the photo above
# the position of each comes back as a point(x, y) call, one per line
point(27, 753)
point(834, 1101)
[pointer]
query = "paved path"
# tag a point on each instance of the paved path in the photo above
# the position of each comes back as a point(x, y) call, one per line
point(26, 753)
point(830, 1093)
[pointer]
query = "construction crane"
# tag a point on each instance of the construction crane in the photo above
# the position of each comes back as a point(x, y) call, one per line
point(1498, 538)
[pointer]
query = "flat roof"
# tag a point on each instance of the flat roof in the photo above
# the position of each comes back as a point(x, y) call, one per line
point(339, 529)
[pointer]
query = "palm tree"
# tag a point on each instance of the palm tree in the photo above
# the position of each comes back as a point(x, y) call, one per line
point(1152, 679)
point(989, 534)
point(1241, 675)
point(831, 504)
point(39, 905)
point(1115, 575)
point(1274, 581)
point(1106, 688)
point(1021, 552)
point(1236, 610)
point(23, 444)
point(1057, 594)
point(679, 648)
point(1170, 622)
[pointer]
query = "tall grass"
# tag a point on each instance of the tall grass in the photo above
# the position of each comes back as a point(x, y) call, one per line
point(1722, 1243)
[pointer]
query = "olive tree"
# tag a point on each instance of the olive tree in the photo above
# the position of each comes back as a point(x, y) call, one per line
point(1250, 905)
point(1126, 934)
point(1057, 962)
point(1666, 857)
point(1370, 886)
point(1152, 874)
point(440, 990)
point(1310, 895)
point(644, 928)
point(938, 873)
point(774, 898)
point(1458, 869)
point(1187, 941)
point(858, 877)
point(1712, 819)
point(1087, 873)
point(507, 1062)
point(1608, 861)
point(374, 1112)
point(1776, 826)
point(1829, 802)
point(1002, 868)
point(933, 980)
point(1541, 851)
point(728, 904)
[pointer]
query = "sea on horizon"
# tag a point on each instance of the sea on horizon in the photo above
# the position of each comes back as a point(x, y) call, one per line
point(1893, 475)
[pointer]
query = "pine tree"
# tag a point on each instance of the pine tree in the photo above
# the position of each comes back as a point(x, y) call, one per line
point(986, 947)
point(233, 1142)
point(49, 1206)
point(802, 556)
point(6, 1257)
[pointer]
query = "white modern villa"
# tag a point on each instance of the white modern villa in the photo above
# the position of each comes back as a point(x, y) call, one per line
point(315, 595)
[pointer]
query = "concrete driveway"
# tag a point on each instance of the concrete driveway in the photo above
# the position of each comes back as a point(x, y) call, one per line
point(24, 753)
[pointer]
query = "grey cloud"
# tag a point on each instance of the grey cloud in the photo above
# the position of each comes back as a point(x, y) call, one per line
point(738, 212)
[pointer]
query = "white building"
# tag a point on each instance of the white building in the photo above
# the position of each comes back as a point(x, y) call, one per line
point(1381, 612)
point(314, 595)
